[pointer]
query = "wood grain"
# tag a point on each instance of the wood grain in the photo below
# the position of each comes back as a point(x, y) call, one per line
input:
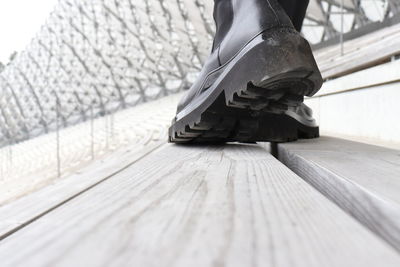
point(25, 210)
point(360, 53)
point(363, 180)
point(232, 205)
point(34, 163)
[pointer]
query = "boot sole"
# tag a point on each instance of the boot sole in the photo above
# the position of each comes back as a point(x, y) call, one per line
point(248, 101)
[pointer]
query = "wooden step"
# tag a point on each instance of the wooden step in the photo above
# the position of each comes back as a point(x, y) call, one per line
point(360, 53)
point(363, 180)
point(232, 205)
point(26, 210)
point(362, 105)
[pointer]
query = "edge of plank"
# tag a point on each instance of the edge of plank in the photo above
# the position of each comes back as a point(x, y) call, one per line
point(376, 213)
point(19, 214)
point(231, 205)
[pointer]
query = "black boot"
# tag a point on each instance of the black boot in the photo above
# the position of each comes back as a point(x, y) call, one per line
point(296, 10)
point(259, 67)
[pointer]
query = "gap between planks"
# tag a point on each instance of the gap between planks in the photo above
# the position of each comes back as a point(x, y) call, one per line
point(362, 179)
point(19, 214)
point(232, 205)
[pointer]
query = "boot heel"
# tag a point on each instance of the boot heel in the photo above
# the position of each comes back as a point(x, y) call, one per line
point(272, 73)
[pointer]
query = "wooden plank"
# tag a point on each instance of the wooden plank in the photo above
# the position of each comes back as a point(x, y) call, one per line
point(355, 44)
point(363, 180)
point(378, 76)
point(360, 53)
point(24, 211)
point(32, 165)
point(231, 205)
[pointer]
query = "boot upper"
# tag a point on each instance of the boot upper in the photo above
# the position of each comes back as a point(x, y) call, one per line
point(242, 21)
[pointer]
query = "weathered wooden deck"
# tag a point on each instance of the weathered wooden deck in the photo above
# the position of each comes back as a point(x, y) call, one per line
point(233, 205)
point(335, 203)
point(326, 202)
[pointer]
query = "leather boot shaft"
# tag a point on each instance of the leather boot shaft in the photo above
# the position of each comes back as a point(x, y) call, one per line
point(296, 10)
point(238, 21)
point(223, 17)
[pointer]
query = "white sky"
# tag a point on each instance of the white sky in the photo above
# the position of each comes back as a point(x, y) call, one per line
point(20, 20)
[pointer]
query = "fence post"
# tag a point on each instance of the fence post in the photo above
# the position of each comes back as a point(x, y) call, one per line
point(58, 138)
point(1, 164)
point(342, 27)
point(91, 132)
point(106, 130)
point(10, 158)
point(112, 127)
